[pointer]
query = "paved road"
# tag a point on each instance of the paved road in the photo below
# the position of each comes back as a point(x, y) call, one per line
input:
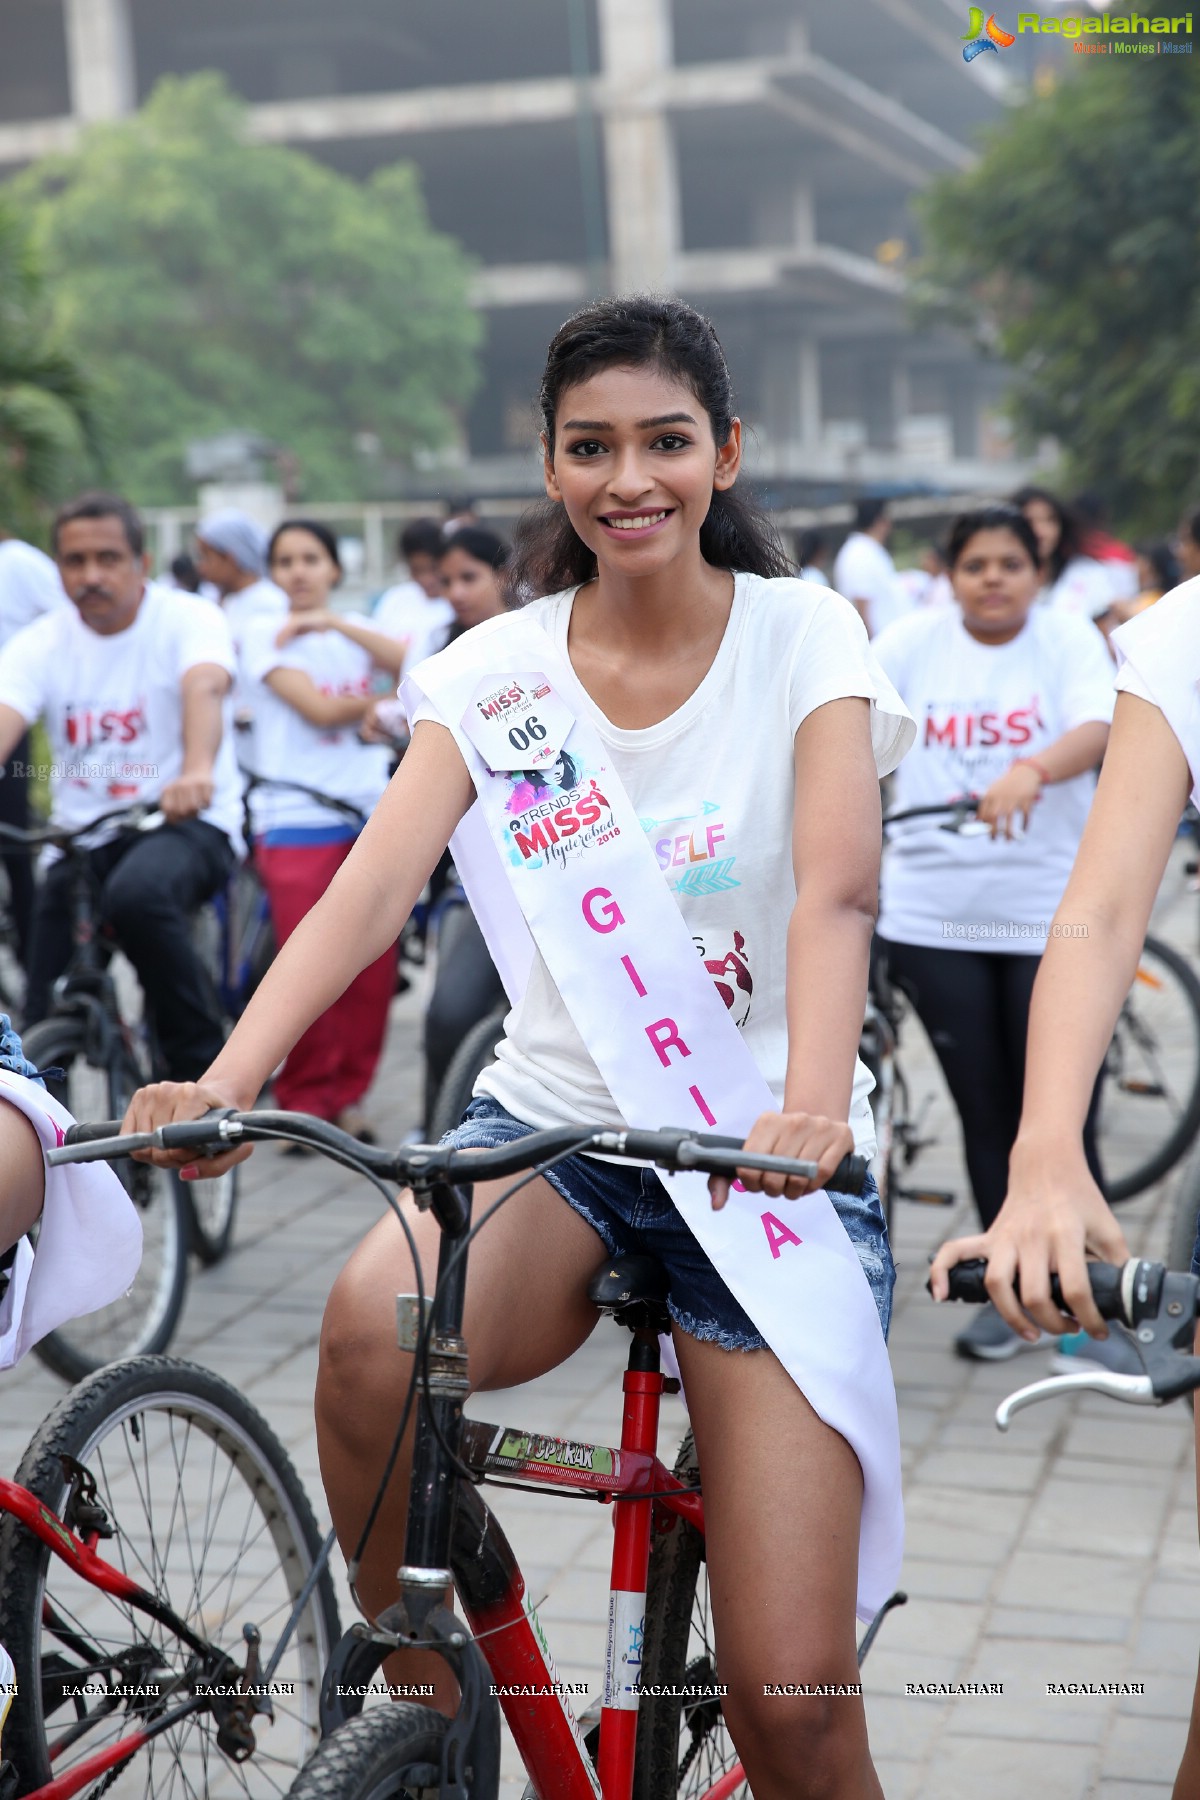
point(1065, 1552)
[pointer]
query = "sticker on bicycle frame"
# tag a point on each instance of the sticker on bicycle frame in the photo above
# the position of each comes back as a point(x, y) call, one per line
point(559, 1690)
point(515, 1450)
point(623, 1652)
point(517, 722)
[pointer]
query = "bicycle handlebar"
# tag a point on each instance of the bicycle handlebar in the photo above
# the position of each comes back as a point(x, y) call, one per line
point(347, 808)
point(140, 817)
point(421, 1165)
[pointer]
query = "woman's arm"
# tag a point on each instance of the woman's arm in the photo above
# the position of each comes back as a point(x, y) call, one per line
point(360, 914)
point(386, 652)
point(302, 694)
point(835, 852)
point(1054, 1213)
point(1018, 788)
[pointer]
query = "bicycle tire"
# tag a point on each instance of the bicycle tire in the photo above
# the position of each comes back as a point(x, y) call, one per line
point(1185, 1214)
point(683, 1745)
point(1132, 1158)
point(143, 1321)
point(183, 1465)
point(472, 1057)
point(391, 1753)
point(212, 1209)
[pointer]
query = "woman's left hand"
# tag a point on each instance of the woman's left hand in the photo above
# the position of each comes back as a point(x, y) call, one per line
point(1017, 791)
point(808, 1137)
point(296, 624)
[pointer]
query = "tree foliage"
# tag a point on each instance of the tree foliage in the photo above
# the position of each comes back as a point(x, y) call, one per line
point(1072, 249)
point(48, 422)
point(212, 284)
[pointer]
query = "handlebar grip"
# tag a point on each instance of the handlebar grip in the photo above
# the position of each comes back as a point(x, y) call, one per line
point(847, 1178)
point(90, 1131)
point(967, 1283)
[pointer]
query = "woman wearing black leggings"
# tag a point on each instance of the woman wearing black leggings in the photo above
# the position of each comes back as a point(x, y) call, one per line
point(1012, 704)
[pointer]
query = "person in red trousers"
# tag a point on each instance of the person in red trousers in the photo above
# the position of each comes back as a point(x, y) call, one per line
point(312, 687)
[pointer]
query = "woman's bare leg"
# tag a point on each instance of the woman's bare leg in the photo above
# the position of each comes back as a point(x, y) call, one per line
point(23, 1177)
point(782, 1498)
point(526, 1311)
point(1187, 1782)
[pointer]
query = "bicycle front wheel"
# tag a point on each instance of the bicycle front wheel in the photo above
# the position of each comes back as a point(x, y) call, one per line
point(392, 1753)
point(212, 1208)
point(207, 1513)
point(683, 1743)
point(144, 1319)
point(476, 1053)
point(1150, 1083)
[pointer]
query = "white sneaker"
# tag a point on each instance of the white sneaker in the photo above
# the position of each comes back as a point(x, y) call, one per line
point(1114, 1355)
point(989, 1338)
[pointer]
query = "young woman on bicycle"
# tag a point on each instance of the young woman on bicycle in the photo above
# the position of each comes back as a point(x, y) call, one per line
point(1012, 702)
point(311, 685)
point(748, 718)
point(1054, 1216)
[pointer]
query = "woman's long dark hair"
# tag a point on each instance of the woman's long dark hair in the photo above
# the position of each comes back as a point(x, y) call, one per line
point(642, 331)
point(1070, 533)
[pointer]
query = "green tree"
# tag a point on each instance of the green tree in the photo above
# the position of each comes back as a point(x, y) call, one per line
point(1072, 250)
point(48, 423)
point(209, 283)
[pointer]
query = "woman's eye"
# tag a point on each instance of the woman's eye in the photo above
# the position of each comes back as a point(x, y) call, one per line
point(585, 447)
point(671, 440)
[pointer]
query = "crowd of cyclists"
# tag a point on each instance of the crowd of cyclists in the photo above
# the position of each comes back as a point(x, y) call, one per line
point(753, 702)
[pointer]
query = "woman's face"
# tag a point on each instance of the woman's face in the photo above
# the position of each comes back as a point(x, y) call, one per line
point(995, 583)
point(635, 464)
point(304, 569)
point(473, 588)
point(1046, 529)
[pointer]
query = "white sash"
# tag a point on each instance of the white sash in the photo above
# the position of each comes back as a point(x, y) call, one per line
point(89, 1243)
point(582, 882)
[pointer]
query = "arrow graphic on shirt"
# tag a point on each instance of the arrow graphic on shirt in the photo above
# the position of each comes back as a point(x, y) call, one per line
point(709, 806)
point(708, 878)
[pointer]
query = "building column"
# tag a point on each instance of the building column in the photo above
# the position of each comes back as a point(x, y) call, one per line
point(963, 394)
point(882, 388)
point(100, 58)
point(639, 147)
point(791, 391)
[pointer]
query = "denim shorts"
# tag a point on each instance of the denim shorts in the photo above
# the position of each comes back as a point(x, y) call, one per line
point(629, 1209)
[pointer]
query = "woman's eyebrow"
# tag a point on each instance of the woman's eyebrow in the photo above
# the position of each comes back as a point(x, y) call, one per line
point(679, 418)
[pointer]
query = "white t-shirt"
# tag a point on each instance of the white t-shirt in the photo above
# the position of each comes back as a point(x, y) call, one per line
point(714, 786)
point(1158, 659)
point(29, 586)
point(865, 571)
point(407, 612)
point(979, 708)
point(1085, 588)
point(113, 706)
point(334, 760)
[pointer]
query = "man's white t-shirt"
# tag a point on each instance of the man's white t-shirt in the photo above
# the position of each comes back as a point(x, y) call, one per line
point(1158, 658)
point(865, 571)
point(288, 747)
point(113, 706)
point(29, 586)
point(714, 788)
point(979, 708)
point(406, 612)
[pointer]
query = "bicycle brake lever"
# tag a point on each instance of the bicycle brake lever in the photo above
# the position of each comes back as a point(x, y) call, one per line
point(1136, 1390)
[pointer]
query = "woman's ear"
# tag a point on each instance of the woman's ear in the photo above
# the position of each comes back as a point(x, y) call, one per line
point(729, 458)
point(552, 488)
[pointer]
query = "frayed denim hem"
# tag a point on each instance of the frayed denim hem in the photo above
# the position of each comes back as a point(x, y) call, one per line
point(708, 1331)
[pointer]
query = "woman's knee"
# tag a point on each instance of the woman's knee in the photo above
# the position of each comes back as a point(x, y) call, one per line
point(361, 1370)
point(807, 1732)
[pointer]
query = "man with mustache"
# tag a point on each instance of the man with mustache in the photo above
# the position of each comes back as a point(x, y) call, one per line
point(133, 683)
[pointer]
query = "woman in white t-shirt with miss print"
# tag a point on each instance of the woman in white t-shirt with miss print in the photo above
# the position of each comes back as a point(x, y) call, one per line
point(1054, 1216)
point(311, 681)
point(744, 713)
point(1012, 702)
point(1073, 582)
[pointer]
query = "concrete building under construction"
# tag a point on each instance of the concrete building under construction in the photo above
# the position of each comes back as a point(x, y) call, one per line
point(759, 158)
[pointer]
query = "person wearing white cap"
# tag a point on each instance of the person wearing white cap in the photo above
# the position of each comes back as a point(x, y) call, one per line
point(231, 552)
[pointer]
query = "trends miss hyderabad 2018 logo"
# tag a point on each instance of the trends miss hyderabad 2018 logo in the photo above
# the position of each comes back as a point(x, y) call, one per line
point(981, 36)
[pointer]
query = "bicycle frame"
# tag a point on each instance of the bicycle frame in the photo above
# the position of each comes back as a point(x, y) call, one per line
point(79, 1553)
point(452, 1536)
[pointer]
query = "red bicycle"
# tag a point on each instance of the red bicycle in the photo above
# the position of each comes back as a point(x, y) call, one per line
point(658, 1728)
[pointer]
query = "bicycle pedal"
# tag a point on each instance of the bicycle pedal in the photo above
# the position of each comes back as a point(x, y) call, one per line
point(927, 1196)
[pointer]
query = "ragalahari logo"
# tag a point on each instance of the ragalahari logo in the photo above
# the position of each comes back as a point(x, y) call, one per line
point(981, 36)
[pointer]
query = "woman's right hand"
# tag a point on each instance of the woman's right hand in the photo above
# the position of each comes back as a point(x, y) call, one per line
point(163, 1102)
point(1053, 1218)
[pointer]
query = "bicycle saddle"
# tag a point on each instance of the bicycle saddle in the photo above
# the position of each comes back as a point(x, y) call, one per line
point(633, 1290)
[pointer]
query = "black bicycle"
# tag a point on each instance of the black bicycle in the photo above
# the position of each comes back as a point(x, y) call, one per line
point(94, 1062)
point(659, 1731)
